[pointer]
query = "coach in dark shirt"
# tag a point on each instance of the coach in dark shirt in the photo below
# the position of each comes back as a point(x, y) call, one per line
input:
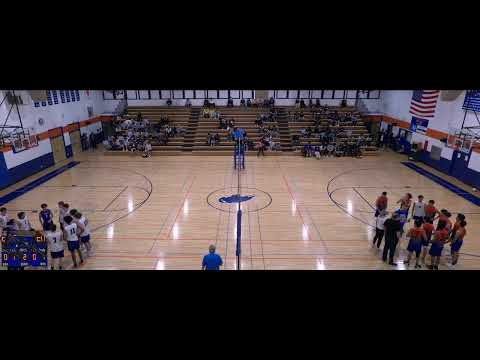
point(392, 228)
point(211, 261)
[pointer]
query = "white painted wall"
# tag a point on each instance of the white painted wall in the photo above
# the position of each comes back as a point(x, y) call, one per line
point(11, 159)
point(66, 139)
point(91, 128)
point(58, 115)
point(396, 103)
point(474, 162)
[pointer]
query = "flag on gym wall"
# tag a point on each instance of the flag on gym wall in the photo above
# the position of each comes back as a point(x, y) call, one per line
point(419, 125)
point(422, 106)
point(423, 103)
point(472, 100)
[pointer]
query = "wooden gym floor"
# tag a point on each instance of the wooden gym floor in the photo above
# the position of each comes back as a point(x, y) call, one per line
point(163, 212)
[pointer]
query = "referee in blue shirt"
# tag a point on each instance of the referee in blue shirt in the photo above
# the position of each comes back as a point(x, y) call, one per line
point(211, 261)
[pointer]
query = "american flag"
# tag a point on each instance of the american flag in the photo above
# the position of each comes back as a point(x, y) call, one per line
point(424, 102)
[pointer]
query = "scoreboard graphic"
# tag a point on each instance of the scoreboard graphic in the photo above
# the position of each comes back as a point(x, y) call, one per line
point(24, 248)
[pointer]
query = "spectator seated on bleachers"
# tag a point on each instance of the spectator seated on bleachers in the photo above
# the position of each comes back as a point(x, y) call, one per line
point(106, 145)
point(242, 102)
point(317, 103)
point(209, 141)
point(302, 104)
point(230, 102)
point(307, 150)
point(169, 102)
point(249, 103)
point(188, 103)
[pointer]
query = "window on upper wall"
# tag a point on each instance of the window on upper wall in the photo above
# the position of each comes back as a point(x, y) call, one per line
point(154, 94)
point(165, 94)
point(223, 94)
point(212, 94)
point(304, 94)
point(62, 96)
point(280, 94)
point(199, 94)
point(234, 94)
point(55, 96)
point(327, 94)
point(178, 94)
point(248, 94)
point(49, 97)
point(189, 94)
point(67, 95)
point(293, 94)
point(144, 94)
point(72, 95)
point(77, 95)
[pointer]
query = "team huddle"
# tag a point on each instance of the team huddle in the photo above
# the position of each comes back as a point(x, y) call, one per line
point(423, 237)
point(74, 230)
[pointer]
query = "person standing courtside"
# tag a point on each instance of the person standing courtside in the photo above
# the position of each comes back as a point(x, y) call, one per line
point(211, 261)
point(392, 228)
point(381, 203)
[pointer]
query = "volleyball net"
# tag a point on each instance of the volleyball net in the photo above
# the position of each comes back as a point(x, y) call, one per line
point(239, 165)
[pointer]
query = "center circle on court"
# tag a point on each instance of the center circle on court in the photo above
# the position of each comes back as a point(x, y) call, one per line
point(251, 199)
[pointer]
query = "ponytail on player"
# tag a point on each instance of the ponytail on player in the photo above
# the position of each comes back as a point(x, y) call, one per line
point(77, 215)
point(441, 225)
point(68, 219)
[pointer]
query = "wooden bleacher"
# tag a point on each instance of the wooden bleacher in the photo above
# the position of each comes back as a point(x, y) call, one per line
point(243, 117)
point(178, 116)
point(357, 130)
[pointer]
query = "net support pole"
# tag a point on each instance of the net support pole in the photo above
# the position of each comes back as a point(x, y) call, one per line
point(239, 237)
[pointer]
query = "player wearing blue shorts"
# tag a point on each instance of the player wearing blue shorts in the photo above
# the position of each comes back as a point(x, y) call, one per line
point(417, 236)
point(440, 237)
point(55, 244)
point(402, 217)
point(457, 241)
point(429, 228)
point(82, 222)
point(71, 232)
point(45, 217)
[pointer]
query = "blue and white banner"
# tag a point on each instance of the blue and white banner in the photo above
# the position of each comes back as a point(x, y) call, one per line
point(418, 125)
point(472, 100)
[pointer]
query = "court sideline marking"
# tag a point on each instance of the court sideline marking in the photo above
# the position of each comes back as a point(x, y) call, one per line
point(446, 184)
point(34, 184)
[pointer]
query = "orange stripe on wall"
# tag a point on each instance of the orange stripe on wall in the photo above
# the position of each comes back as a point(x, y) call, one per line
point(55, 132)
point(69, 128)
point(436, 134)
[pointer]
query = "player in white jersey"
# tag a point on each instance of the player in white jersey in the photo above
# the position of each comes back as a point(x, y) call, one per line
point(418, 209)
point(71, 231)
point(82, 222)
point(55, 244)
point(23, 222)
point(62, 212)
point(3, 218)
